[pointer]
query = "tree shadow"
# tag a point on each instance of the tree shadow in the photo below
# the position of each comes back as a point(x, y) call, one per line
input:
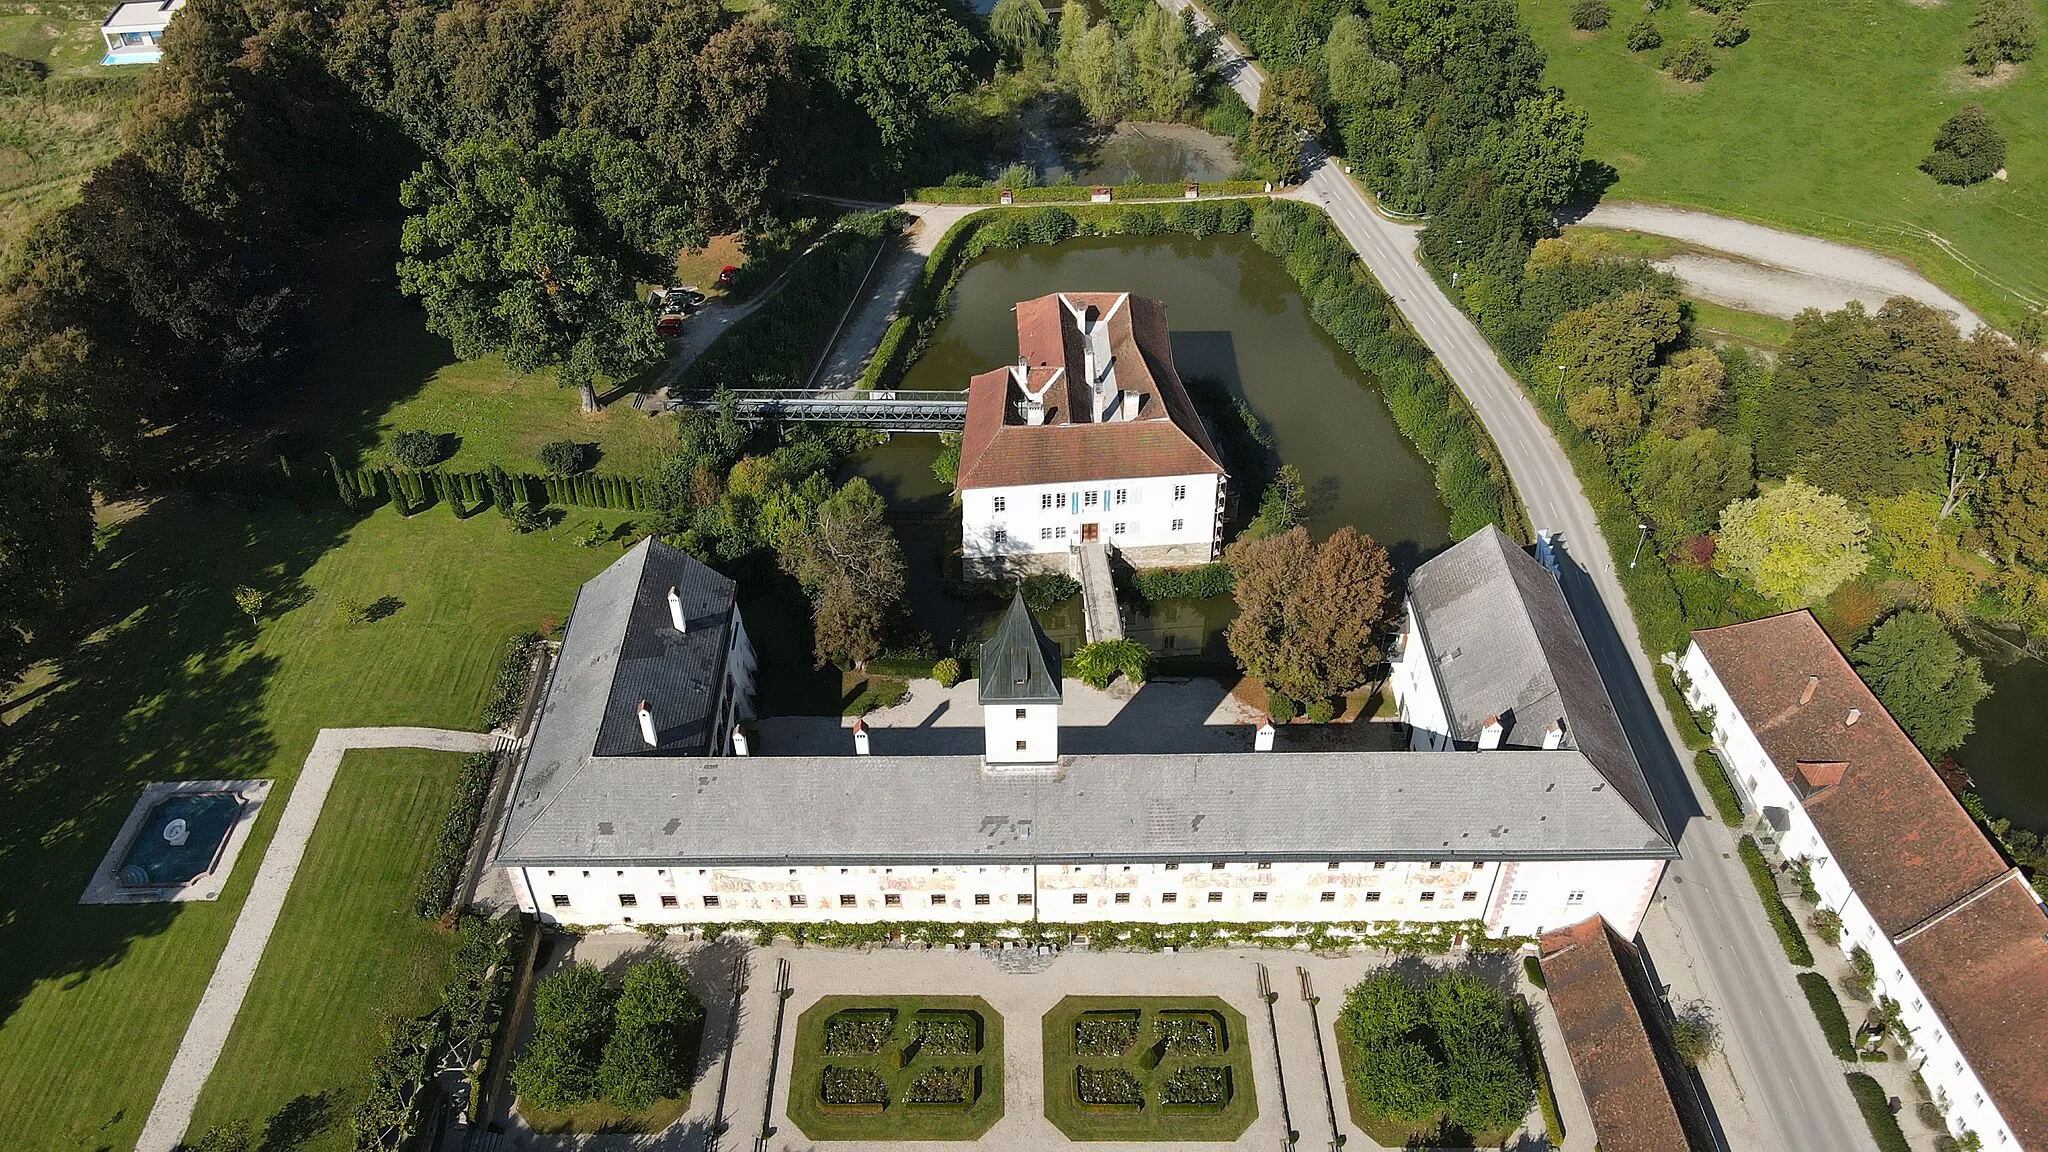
point(381, 607)
point(293, 1126)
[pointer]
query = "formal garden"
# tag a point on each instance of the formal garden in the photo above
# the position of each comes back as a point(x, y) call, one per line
point(1432, 1057)
point(897, 1068)
point(1148, 1068)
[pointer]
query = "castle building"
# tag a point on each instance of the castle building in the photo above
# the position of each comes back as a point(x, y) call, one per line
point(601, 831)
point(1089, 437)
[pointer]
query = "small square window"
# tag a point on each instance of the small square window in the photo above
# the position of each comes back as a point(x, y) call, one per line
point(892, 900)
point(1329, 897)
point(1045, 533)
point(1216, 866)
point(1336, 864)
point(1080, 897)
point(1180, 491)
point(1059, 500)
point(1020, 713)
point(1123, 897)
point(709, 901)
point(560, 900)
point(1090, 499)
point(1469, 897)
point(1173, 867)
point(1379, 865)
point(847, 901)
point(1122, 495)
point(1435, 865)
point(1020, 745)
point(1259, 897)
point(1045, 501)
point(1024, 899)
point(938, 898)
point(1575, 896)
point(1179, 524)
point(1170, 898)
point(1000, 536)
point(1518, 896)
point(1059, 533)
point(1118, 529)
point(1428, 896)
point(668, 901)
point(1372, 897)
point(1479, 864)
point(1215, 896)
point(798, 900)
point(981, 899)
point(1002, 503)
point(628, 900)
point(1266, 866)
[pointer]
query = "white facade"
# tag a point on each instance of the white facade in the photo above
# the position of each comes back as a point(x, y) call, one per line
point(1021, 733)
point(736, 695)
point(1939, 1061)
point(133, 31)
point(1512, 898)
point(1412, 679)
point(1156, 519)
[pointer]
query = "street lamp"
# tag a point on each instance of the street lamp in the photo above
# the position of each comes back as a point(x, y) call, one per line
point(1643, 533)
point(1561, 370)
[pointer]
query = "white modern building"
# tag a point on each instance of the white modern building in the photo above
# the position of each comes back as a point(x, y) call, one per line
point(1957, 937)
point(601, 831)
point(133, 30)
point(1089, 437)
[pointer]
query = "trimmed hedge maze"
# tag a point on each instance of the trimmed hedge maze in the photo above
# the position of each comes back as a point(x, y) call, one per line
point(1148, 1068)
point(897, 1068)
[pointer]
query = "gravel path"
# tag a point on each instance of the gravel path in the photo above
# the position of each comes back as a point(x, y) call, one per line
point(887, 285)
point(207, 1034)
point(1775, 272)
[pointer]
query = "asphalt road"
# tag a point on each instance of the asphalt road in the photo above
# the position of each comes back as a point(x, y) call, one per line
point(1794, 1094)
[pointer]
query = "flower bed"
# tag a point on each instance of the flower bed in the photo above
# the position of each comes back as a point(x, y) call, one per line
point(1105, 1033)
point(946, 1034)
point(897, 1069)
point(1107, 1086)
point(858, 1033)
point(1188, 1033)
point(1201, 1086)
point(842, 1085)
point(942, 1086)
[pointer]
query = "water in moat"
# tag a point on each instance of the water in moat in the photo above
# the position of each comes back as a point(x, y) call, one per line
point(1235, 316)
point(2004, 754)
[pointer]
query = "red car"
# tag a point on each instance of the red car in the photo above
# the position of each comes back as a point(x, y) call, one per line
point(726, 274)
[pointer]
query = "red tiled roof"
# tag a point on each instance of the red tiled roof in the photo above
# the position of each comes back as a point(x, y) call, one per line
point(1166, 439)
point(1984, 968)
point(1633, 1082)
point(1903, 841)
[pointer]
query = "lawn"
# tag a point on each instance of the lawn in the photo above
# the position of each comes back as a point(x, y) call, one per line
point(376, 371)
point(347, 950)
point(172, 681)
point(50, 139)
point(606, 1118)
point(893, 1060)
point(1818, 123)
point(1117, 1042)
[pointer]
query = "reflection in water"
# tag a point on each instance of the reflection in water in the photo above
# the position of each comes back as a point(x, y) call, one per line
point(2004, 754)
point(1236, 317)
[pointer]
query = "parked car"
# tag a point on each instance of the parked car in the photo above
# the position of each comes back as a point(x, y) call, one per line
point(669, 324)
point(726, 274)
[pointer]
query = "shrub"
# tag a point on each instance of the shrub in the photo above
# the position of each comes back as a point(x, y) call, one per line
point(1100, 661)
point(1202, 1086)
point(1643, 35)
point(1280, 707)
point(354, 611)
point(858, 1033)
point(1321, 711)
point(526, 518)
point(1107, 1086)
point(1155, 584)
point(843, 1085)
point(1695, 1036)
point(20, 76)
point(1861, 982)
point(1546, 1092)
point(515, 672)
point(1877, 1113)
point(1105, 1034)
point(444, 868)
point(2001, 31)
point(1445, 1049)
point(1967, 148)
point(572, 1019)
point(1046, 589)
point(1782, 922)
point(1690, 60)
point(415, 448)
point(1591, 15)
point(1827, 1010)
point(250, 601)
point(656, 1022)
point(1731, 29)
point(563, 457)
point(1827, 924)
point(945, 1035)
point(1715, 778)
point(947, 672)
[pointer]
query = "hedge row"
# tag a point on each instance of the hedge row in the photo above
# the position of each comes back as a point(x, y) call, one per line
point(451, 845)
point(1715, 776)
point(468, 492)
point(1789, 936)
point(1546, 1094)
point(1877, 1113)
point(1079, 193)
point(1197, 583)
point(508, 688)
point(1827, 1008)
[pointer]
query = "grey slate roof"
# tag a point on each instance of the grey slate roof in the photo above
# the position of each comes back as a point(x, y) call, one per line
point(1505, 644)
point(933, 809)
point(1019, 665)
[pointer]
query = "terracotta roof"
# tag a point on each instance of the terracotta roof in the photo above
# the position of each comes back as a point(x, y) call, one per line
point(1984, 968)
point(1635, 1086)
point(1165, 438)
point(1903, 841)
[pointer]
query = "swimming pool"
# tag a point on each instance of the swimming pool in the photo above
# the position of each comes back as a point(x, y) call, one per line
point(180, 840)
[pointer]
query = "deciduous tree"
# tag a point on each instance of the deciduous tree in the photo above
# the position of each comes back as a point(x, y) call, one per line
point(1687, 388)
point(1915, 539)
point(1021, 28)
point(1795, 543)
point(1967, 148)
point(1310, 616)
point(655, 1027)
point(899, 60)
point(572, 1018)
point(849, 562)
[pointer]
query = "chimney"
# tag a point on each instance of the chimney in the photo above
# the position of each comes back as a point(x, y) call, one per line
point(647, 735)
point(1032, 407)
point(1262, 740)
point(1806, 696)
point(860, 738)
point(1553, 736)
point(1855, 714)
point(739, 741)
point(1490, 733)
point(1128, 404)
point(675, 611)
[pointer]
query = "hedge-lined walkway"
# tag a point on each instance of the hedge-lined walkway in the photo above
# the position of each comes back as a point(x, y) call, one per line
point(207, 1034)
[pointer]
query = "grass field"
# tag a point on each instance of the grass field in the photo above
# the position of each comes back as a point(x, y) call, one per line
point(1818, 123)
point(1152, 1121)
point(898, 1121)
point(173, 682)
point(347, 951)
point(51, 138)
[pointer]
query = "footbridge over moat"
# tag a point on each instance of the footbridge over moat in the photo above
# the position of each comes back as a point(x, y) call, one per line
point(891, 410)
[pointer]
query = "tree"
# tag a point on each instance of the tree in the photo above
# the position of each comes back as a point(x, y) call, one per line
point(572, 1018)
point(899, 60)
point(1358, 79)
point(1926, 682)
point(1288, 107)
point(1168, 64)
point(849, 562)
point(1967, 148)
point(656, 1023)
point(1643, 35)
point(1795, 543)
point(1591, 15)
point(1730, 28)
point(2001, 31)
point(1309, 616)
point(1682, 485)
point(532, 253)
point(1021, 28)
point(1918, 542)
point(1606, 354)
point(1690, 60)
point(1540, 152)
point(1105, 76)
point(1687, 387)
point(1073, 32)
